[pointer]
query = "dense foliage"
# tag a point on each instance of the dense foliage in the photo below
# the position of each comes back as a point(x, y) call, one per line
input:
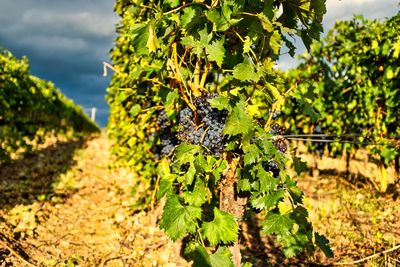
point(32, 108)
point(190, 80)
point(352, 77)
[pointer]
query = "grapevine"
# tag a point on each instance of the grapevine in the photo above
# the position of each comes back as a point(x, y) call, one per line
point(190, 77)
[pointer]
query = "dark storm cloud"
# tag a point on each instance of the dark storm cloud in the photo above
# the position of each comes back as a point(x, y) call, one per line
point(65, 41)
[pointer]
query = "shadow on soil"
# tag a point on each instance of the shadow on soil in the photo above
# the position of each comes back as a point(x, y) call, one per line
point(31, 178)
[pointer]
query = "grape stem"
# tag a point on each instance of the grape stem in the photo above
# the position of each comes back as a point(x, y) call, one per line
point(276, 105)
point(204, 76)
point(178, 77)
point(195, 86)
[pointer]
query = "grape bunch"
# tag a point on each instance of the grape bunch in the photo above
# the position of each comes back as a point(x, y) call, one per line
point(272, 166)
point(276, 129)
point(167, 138)
point(275, 114)
point(279, 141)
point(204, 126)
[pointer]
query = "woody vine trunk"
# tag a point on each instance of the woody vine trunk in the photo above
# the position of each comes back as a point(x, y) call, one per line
point(233, 203)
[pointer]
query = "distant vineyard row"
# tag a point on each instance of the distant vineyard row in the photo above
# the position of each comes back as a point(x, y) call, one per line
point(350, 85)
point(32, 108)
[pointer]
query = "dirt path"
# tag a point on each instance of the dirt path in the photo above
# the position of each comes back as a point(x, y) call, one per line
point(64, 206)
point(84, 217)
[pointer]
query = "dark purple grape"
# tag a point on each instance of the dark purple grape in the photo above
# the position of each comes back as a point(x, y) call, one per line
point(276, 114)
point(206, 129)
point(272, 166)
point(282, 186)
point(165, 140)
point(276, 129)
point(280, 144)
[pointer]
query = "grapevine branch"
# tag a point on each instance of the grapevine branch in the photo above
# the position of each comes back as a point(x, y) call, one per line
point(178, 77)
point(196, 82)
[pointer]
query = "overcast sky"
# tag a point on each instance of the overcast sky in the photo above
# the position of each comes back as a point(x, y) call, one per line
point(67, 40)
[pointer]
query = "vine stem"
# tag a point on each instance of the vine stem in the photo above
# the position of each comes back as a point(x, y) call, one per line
point(178, 76)
point(204, 76)
point(276, 104)
point(196, 82)
point(153, 195)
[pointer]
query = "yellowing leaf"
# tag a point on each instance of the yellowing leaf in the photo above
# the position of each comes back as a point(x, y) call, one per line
point(254, 110)
point(374, 44)
point(265, 22)
point(275, 42)
point(152, 41)
point(246, 44)
point(389, 74)
point(396, 48)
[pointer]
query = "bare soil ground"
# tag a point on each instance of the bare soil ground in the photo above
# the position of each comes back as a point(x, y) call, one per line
point(64, 206)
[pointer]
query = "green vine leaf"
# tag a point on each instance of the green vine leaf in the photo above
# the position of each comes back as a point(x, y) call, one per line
point(299, 166)
point(221, 18)
point(277, 223)
point(222, 257)
point(222, 229)
point(216, 51)
point(219, 102)
point(323, 244)
point(177, 219)
point(266, 181)
point(252, 153)
point(201, 257)
point(185, 153)
point(187, 17)
point(172, 3)
point(238, 122)
point(266, 201)
point(140, 32)
point(275, 42)
point(197, 196)
point(152, 41)
point(245, 72)
point(198, 43)
point(217, 172)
